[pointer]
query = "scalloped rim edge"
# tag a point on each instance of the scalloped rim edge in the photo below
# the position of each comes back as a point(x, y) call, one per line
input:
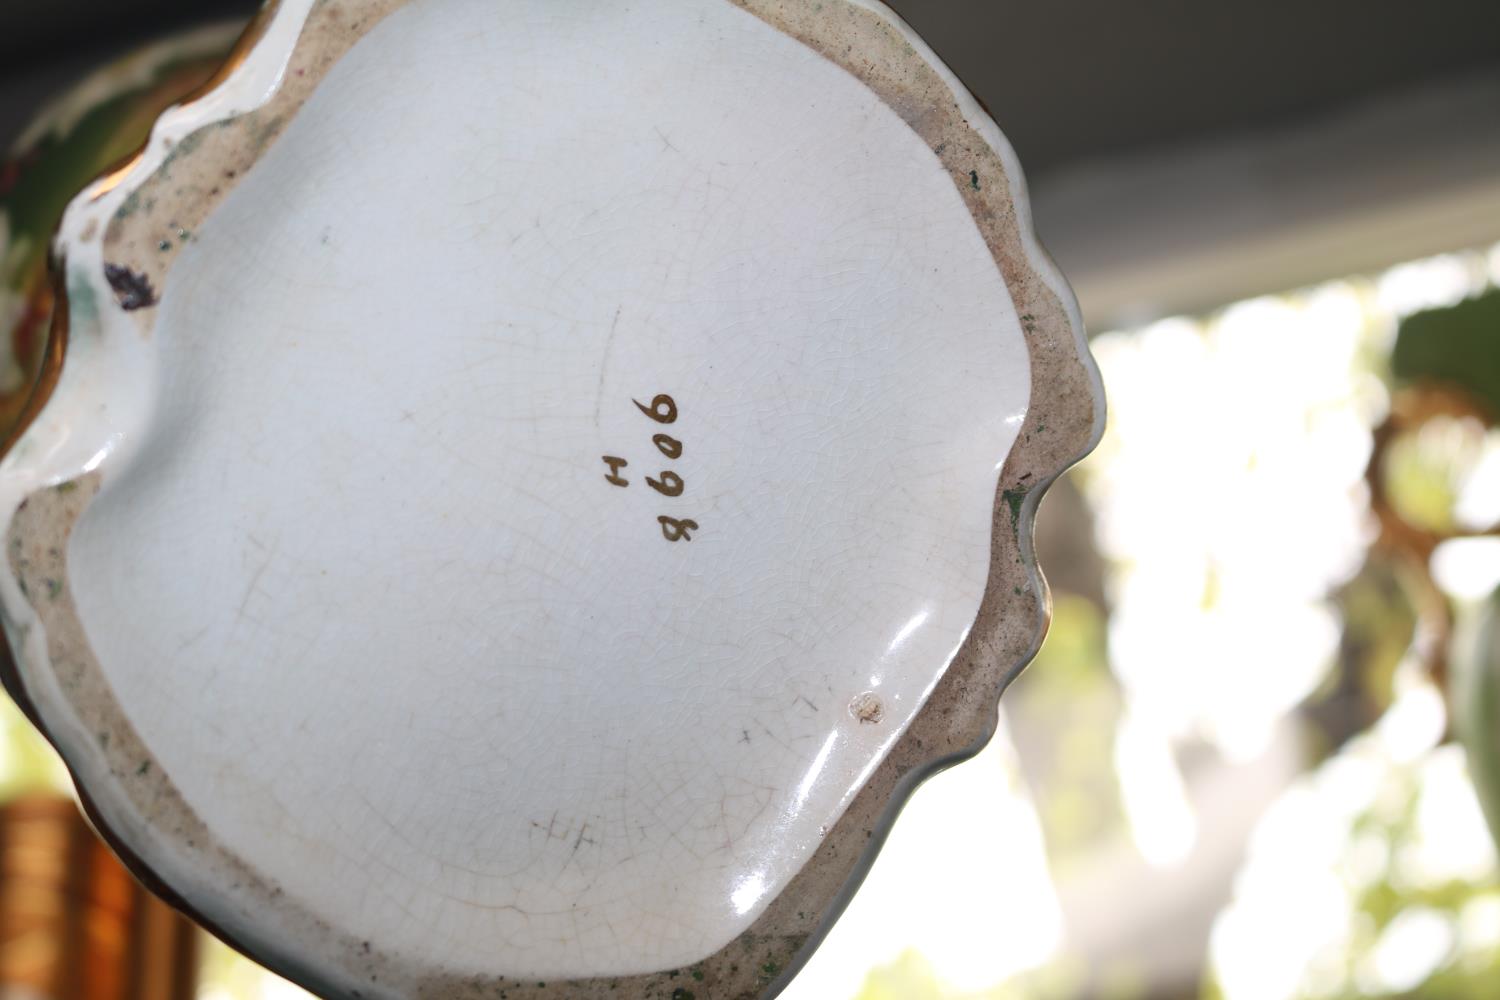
point(1063, 424)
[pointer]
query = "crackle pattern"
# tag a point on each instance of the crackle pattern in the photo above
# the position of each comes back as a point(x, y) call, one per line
point(159, 217)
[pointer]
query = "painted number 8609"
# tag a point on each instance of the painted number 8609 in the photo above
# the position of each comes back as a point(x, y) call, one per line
point(662, 410)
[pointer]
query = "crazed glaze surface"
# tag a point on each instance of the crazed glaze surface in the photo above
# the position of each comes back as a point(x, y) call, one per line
point(553, 732)
point(540, 480)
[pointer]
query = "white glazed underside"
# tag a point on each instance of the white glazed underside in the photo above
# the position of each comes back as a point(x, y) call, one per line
point(361, 584)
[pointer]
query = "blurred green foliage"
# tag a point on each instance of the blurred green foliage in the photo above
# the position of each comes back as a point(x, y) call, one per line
point(1458, 345)
point(1064, 710)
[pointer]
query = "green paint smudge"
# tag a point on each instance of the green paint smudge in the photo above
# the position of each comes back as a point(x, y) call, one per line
point(1014, 499)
